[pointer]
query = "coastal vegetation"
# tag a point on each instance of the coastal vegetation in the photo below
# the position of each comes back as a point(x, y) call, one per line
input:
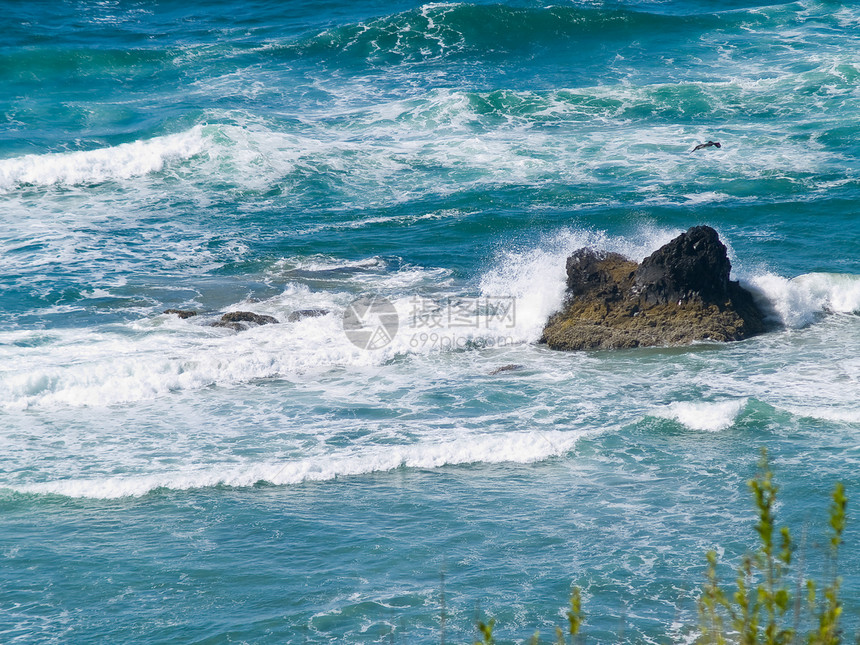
point(772, 600)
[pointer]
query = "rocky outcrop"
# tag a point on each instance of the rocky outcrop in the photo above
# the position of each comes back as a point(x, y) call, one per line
point(182, 313)
point(241, 320)
point(301, 314)
point(679, 294)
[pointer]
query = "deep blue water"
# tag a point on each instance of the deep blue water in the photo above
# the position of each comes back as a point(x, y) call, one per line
point(162, 480)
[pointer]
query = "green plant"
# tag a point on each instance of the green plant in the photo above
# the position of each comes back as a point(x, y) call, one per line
point(486, 631)
point(757, 611)
point(711, 600)
point(575, 616)
point(830, 610)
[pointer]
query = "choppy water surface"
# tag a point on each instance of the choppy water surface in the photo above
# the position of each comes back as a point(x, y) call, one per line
point(162, 480)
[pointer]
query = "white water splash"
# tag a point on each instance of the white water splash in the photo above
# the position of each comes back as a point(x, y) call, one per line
point(797, 302)
point(704, 416)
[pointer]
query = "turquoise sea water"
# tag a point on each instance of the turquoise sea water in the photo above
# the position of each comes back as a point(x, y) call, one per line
point(165, 481)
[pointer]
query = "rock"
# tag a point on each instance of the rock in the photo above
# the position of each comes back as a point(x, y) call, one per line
point(512, 367)
point(597, 272)
point(182, 313)
point(247, 316)
point(301, 314)
point(241, 320)
point(679, 294)
point(694, 264)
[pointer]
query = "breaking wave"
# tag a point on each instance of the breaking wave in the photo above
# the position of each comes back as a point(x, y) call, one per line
point(515, 447)
point(797, 302)
point(103, 164)
point(704, 416)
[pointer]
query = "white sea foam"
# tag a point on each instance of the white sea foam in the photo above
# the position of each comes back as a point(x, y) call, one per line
point(381, 153)
point(489, 448)
point(708, 197)
point(159, 355)
point(156, 356)
point(110, 367)
point(103, 164)
point(324, 263)
point(391, 219)
point(706, 416)
point(797, 302)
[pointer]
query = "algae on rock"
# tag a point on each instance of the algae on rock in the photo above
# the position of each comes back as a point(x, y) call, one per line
point(679, 294)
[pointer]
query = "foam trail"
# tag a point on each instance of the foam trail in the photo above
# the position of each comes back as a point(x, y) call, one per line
point(515, 447)
point(156, 356)
point(104, 164)
point(710, 417)
point(797, 302)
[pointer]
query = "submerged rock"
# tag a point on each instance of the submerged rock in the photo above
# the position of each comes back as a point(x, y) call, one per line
point(679, 294)
point(182, 313)
point(512, 367)
point(241, 320)
point(301, 314)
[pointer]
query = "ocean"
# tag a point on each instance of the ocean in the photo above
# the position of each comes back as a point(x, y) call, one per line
point(415, 175)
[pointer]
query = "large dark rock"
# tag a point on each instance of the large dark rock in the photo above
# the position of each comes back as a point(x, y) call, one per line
point(694, 264)
point(598, 273)
point(241, 320)
point(679, 294)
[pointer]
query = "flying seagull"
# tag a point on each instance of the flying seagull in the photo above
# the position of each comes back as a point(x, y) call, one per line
point(709, 144)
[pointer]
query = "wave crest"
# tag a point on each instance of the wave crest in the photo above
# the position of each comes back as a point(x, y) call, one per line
point(491, 448)
point(441, 29)
point(703, 416)
point(103, 164)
